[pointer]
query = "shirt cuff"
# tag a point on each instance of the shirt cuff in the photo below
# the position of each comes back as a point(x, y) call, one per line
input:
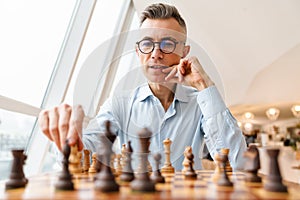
point(210, 102)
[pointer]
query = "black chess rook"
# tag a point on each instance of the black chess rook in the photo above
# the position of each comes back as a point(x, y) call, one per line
point(274, 179)
point(17, 178)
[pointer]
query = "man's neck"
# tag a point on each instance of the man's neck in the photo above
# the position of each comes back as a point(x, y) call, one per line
point(164, 92)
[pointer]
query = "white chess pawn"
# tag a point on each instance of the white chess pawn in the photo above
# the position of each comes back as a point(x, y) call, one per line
point(93, 167)
point(185, 162)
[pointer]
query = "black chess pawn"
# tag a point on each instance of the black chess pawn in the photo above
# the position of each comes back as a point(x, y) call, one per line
point(127, 172)
point(252, 164)
point(65, 178)
point(223, 179)
point(156, 175)
point(105, 180)
point(17, 178)
point(142, 181)
point(274, 180)
point(190, 172)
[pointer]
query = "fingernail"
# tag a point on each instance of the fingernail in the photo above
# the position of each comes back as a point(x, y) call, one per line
point(71, 141)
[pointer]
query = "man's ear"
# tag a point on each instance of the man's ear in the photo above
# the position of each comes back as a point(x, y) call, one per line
point(137, 51)
point(186, 51)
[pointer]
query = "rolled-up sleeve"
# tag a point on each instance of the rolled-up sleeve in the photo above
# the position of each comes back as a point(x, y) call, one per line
point(220, 127)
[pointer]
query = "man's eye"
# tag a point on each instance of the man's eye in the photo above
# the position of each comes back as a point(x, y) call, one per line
point(147, 44)
point(167, 44)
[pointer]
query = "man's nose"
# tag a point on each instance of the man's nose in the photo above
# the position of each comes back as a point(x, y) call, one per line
point(156, 53)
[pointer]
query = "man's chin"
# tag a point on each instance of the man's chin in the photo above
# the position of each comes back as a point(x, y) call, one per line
point(157, 80)
point(161, 82)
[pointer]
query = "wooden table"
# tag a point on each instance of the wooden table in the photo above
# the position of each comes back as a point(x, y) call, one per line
point(42, 187)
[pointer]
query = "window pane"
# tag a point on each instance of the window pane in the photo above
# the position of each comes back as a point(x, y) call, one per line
point(15, 131)
point(129, 67)
point(105, 20)
point(32, 32)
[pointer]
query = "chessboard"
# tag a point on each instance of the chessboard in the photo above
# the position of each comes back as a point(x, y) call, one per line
point(175, 187)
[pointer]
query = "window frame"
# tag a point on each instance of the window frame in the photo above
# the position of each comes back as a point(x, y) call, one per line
point(38, 144)
point(65, 65)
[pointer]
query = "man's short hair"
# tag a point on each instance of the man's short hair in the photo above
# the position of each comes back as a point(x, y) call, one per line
point(162, 11)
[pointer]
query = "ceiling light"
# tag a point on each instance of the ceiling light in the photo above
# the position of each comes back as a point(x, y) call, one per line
point(248, 126)
point(272, 113)
point(296, 110)
point(248, 115)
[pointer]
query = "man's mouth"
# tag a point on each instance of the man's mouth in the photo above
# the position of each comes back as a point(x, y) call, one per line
point(158, 67)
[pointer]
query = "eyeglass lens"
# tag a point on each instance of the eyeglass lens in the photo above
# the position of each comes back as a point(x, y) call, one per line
point(166, 46)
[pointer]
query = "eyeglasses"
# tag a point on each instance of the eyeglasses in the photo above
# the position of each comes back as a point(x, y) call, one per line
point(166, 46)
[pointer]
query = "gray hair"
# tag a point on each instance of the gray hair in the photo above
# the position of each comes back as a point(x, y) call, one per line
point(162, 11)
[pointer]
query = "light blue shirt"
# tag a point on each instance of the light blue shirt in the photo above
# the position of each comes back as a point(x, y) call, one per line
point(192, 118)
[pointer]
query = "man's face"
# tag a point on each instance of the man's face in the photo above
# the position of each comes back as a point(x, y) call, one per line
point(158, 30)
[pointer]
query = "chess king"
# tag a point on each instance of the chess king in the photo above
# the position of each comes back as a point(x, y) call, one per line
point(179, 101)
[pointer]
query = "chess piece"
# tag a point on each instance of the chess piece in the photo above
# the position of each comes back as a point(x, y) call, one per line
point(98, 162)
point(142, 182)
point(156, 175)
point(119, 166)
point(226, 151)
point(105, 180)
point(74, 161)
point(65, 178)
point(93, 167)
point(252, 164)
point(123, 157)
point(127, 172)
point(112, 164)
point(17, 178)
point(80, 163)
point(190, 172)
point(149, 167)
point(217, 173)
point(167, 168)
point(86, 160)
point(223, 179)
point(274, 180)
point(185, 162)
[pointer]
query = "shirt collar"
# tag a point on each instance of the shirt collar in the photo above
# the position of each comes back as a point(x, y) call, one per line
point(181, 94)
point(145, 92)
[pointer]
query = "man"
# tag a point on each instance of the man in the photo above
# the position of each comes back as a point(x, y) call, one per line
point(179, 101)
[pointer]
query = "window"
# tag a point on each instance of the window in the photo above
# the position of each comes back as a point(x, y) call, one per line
point(100, 30)
point(42, 54)
point(98, 46)
point(99, 36)
point(15, 129)
point(31, 37)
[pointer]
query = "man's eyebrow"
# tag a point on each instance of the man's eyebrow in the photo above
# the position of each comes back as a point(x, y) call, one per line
point(163, 38)
point(168, 38)
point(147, 38)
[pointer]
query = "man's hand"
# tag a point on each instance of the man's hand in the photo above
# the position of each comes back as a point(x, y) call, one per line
point(188, 72)
point(61, 123)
